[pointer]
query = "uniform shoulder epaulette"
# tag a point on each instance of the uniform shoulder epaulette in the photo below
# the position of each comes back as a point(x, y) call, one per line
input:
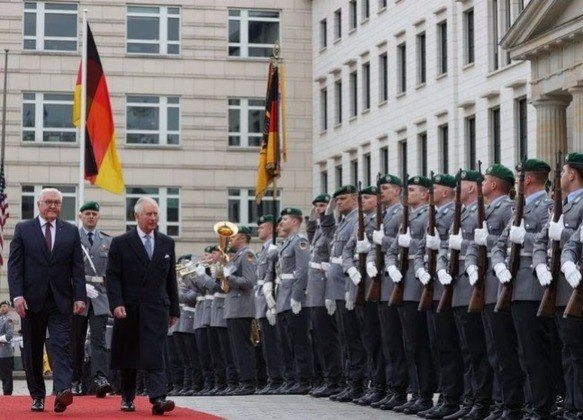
point(446, 211)
point(104, 234)
point(577, 199)
point(472, 208)
point(302, 236)
point(396, 210)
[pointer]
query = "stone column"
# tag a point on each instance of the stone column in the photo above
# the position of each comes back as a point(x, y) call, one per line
point(577, 138)
point(551, 127)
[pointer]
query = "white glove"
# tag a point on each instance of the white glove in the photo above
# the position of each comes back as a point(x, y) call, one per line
point(572, 273)
point(455, 241)
point(349, 302)
point(92, 292)
point(331, 207)
point(481, 235)
point(556, 229)
point(377, 236)
point(472, 271)
point(271, 316)
point(272, 247)
point(517, 233)
point(354, 275)
point(444, 277)
point(3, 339)
point(394, 274)
point(267, 292)
point(228, 270)
point(433, 241)
point(325, 266)
point(200, 270)
point(362, 247)
point(405, 239)
point(423, 276)
point(296, 306)
point(371, 269)
point(502, 273)
point(543, 274)
point(330, 306)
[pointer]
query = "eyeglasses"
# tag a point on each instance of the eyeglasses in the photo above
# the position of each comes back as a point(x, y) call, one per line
point(49, 203)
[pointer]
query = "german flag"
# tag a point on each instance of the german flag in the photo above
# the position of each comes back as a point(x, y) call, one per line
point(102, 165)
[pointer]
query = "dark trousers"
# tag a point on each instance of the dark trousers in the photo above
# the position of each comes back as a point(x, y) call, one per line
point(502, 340)
point(34, 329)
point(370, 326)
point(174, 367)
point(191, 364)
point(393, 348)
point(155, 383)
point(415, 327)
point(204, 356)
point(225, 348)
point(99, 356)
point(571, 332)
point(326, 329)
point(243, 349)
point(287, 350)
point(471, 328)
point(297, 326)
point(219, 364)
point(352, 343)
point(271, 352)
point(6, 368)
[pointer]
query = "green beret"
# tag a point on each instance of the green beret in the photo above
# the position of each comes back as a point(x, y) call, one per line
point(502, 172)
point(370, 190)
point(90, 205)
point(420, 180)
point(574, 159)
point(391, 179)
point(445, 180)
point(5, 302)
point(322, 198)
point(534, 165)
point(264, 219)
point(185, 257)
point(209, 249)
point(291, 211)
point(244, 230)
point(471, 175)
point(278, 220)
point(347, 189)
point(214, 248)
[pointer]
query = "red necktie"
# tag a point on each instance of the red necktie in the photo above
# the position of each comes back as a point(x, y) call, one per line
point(48, 236)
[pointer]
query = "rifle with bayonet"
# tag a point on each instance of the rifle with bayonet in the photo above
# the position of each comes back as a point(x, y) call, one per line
point(478, 298)
point(374, 290)
point(426, 301)
point(361, 256)
point(396, 298)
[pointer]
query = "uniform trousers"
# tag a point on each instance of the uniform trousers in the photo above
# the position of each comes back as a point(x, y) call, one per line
point(174, 367)
point(571, 332)
point(271, 352)
point(218, 360)
point(352, 342)
point(368, 318)
point(99, 356)
point(297, 326)
point(415, 328)
point(224, 341)
point(191, 364)
point(204, 356)
point(243, 349)
point(326, 329)
point(6, 368)
point(287, 350)
point(393, 349)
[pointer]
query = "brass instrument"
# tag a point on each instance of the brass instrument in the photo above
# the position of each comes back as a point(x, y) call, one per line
point(225, 230)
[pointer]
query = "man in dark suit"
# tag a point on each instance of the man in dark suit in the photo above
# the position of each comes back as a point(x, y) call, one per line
point(143, 297)
point(47, 284)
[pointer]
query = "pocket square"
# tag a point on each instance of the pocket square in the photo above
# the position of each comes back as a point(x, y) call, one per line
point(166, 256)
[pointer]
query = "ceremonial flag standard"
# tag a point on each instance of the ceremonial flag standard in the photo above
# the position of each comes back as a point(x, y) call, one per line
point(102, 164)
point(3, 212)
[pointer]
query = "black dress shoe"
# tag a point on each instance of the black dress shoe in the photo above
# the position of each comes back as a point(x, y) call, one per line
point(396, 400)
point(342, 391)
point(76, 388)
point(326, 391)
point(406, 404)
point(243, 390)
point(372, 397)
point(423, 413)
point(298, 389)
point(442, 411)
point(465, 409)
point(63, 400)
point(38, 404)
point(495, 414)
point(420, 405)
point(477, 413)
point(352, 394)
point(127, 406)
point(161, 406)
point(382, 401)
point(102, 387)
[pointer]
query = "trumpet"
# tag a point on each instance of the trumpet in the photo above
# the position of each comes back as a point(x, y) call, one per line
point(225, 230)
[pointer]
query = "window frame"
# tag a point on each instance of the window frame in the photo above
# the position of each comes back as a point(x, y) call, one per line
point(68, 207)
point(442, 48)
point(422, 147)
point(323, 109)
point(470, 140)
point(242, 199)
point(39, 38)
point(162, 197)
point(164, 19)
point(353, 88)
point(521, 118)
point(365, 86)
point(244, 134)
point(39, 129)
point(352, 15)
point(402, 68)
point(383, 77)
point(338, 24)
point(164, 106)
point(469, 37)
point(495, 134)
point(338, 102)
point(421, 58)
point(244, 45)
point(444, 147)
point(323, 34)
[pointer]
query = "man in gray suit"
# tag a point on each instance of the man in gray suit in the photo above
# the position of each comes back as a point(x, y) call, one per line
point(6, 351)
point(95, 244)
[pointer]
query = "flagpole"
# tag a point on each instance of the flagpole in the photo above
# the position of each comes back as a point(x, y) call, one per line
point(275, 59)
point(4, 108)
point(83, 116)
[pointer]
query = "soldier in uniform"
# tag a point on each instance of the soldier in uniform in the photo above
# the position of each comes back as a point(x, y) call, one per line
point(533, 332)
point(413, 321)
point(6, 350)
point(95, 244)
point(500, 333)
point(568, 231)
point(240, 309)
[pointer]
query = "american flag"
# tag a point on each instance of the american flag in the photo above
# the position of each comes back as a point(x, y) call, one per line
point(3, 212)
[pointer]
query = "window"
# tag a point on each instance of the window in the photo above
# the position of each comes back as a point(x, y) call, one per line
point(495, 134)
point(520, 6)
point(402, 68)
point(29, 195)
point(338, 24)
point(50, 26)
point(168, 200)
point(384, 160)
point(252, 33)
point(442, 47)
point(153, 30)
point(365, 12)
point(422, 145)
point(246, 121)
point(469, 36)
point(323, 34)
point(470, 128)
point(352, 19)
point(383, 78)
point(153, 120)
point(403, 158)
point(323, 109)
point(365, 86)
point(243, 209)
point(354, 172)
point(366, 169)
point(338, 101)
point(382, 5)
point(494, 35)
point(444, 147)
point(339, 175)
point(353, 93)
point(47, 118)
point(421, 59)
point(521, 127)
point(507, 25)
point(324, 181)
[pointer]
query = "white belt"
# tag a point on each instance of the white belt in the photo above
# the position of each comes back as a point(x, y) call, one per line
point(209, 297)
point(525, 254)
point(317, 266)
point(94, 279)
point(220, 295)
point(199, 298)
point(461, 258)
point(288, 276)
point(277, 280)
point(189, 309)
point(182, 305)
point(260, 282)
point(336, 260)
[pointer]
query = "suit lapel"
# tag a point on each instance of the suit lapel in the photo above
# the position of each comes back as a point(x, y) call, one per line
point(39, 231)
point(136, 244)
